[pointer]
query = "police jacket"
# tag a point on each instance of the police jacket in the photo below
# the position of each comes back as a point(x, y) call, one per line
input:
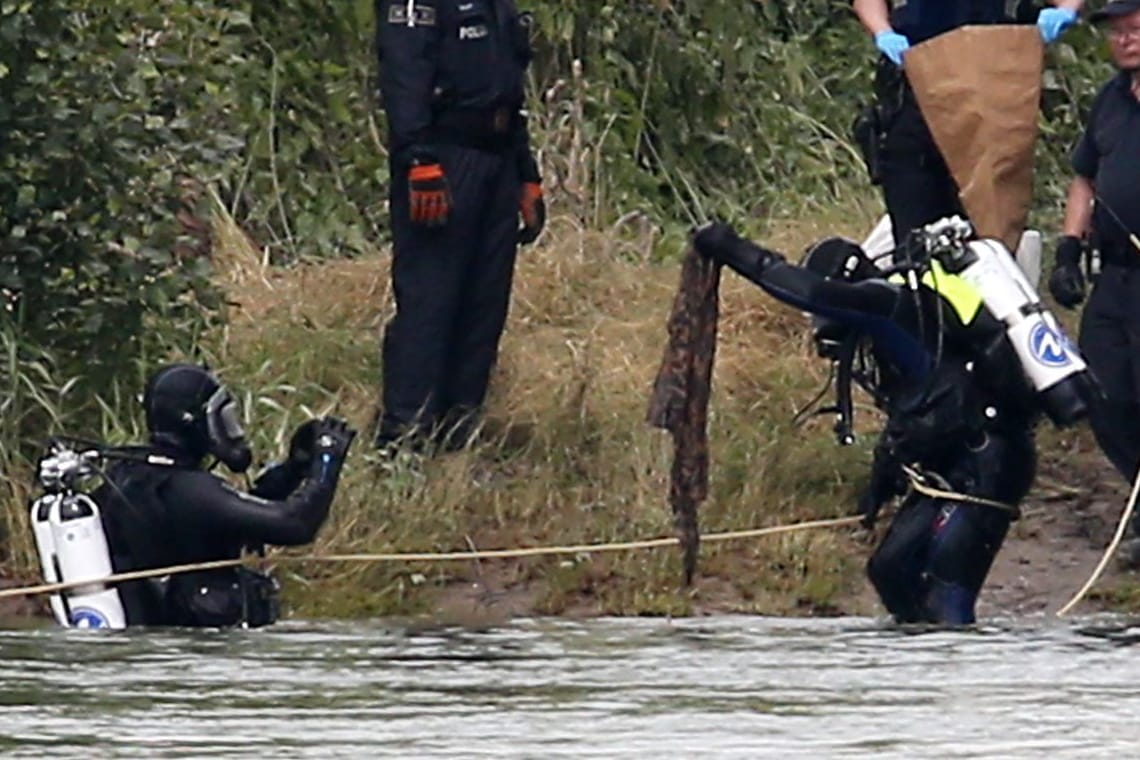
point(920, 20)
point(452, 71)
point(158, 515)
point(1108, 155)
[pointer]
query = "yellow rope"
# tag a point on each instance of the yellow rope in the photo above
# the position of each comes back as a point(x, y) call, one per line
point(1113, 545)
point(918, 483)
point(534, 551)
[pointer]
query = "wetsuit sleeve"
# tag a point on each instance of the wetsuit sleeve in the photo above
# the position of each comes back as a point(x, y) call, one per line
point(407, 40)
point(855, 303)
point(216, 508)
point(852, 302)
point(869, 306)
point(278, 481)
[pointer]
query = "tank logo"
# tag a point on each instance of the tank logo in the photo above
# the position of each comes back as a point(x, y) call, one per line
point(85, 617)
point(1048, 346)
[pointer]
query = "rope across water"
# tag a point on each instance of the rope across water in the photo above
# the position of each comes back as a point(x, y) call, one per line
point(548, 551)
point(533, 551)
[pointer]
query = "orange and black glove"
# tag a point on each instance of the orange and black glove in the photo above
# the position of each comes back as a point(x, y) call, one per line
point(429, 198)
point(532, 208)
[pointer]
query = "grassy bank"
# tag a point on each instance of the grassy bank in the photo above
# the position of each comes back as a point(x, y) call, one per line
point(565, 455)
point(645, 118)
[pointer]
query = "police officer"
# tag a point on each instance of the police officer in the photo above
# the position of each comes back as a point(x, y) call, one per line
point(958, 408)
point(1104, 208)
point(462, 174)
point(165, 509)
point(903, 157)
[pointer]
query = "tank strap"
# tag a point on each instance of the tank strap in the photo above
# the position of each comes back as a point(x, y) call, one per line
point(935, 486)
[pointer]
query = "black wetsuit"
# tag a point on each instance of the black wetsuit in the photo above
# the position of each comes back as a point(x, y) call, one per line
point(158, 515)
point(958, 407)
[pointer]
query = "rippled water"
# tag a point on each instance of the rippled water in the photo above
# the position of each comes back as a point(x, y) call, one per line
point(735, 687)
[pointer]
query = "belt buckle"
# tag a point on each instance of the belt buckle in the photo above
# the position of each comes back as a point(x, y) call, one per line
point(500, 120)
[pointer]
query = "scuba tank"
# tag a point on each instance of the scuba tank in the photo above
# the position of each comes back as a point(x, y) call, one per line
point(45, 548)
point(1050, 362)
point(880, 244)
point(72, 547)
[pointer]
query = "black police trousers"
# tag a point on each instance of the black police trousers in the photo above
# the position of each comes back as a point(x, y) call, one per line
point(917, 186)
point(1110, 342)
point(452, 286)
point(935, 557)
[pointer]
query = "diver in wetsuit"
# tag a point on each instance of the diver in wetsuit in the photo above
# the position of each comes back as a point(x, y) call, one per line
point(165, 508)
point(960, 413)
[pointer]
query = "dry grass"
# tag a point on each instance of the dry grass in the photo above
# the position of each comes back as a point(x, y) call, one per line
point(566, 456)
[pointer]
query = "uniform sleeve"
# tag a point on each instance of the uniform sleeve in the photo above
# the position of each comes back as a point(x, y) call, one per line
point(214, 507)
point(407, 37)
point(1086, 157)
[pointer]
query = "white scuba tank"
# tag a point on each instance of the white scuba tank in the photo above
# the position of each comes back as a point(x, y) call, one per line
point(1028, 256)
point(1050, 362)
point(45, 547)
point(82, 554)
point(880, 242)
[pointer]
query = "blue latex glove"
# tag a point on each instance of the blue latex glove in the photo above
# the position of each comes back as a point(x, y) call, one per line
point(1051, 22)
point(892, 44)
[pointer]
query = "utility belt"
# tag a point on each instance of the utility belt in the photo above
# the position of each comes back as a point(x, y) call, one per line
point(222, 598)
point(490, 129)
point(1115, 254)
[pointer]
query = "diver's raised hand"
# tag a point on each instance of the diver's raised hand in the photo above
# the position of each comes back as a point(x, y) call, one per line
point(332, 438)
point(301, 444)
point(720, 242)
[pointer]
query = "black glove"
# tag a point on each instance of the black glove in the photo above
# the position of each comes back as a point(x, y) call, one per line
point(887, 481)
point(1067, 284)
point(332, 438)
point(868, 507)
point(301, 445)
point(532, 207)
point(718, 241)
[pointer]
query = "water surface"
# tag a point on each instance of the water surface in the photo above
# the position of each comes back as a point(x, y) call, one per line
point(732, 687)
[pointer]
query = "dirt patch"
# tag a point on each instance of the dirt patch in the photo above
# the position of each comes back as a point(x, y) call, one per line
point(14, 610)
point(1066, 526)
point(1053, 549)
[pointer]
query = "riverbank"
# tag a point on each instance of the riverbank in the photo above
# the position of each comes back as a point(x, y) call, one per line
point(565, 456)
point(1044, 561)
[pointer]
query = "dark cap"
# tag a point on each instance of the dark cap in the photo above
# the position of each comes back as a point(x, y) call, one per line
point(1115, 9)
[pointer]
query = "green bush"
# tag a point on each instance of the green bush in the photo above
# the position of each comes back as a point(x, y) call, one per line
point(99, 151)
